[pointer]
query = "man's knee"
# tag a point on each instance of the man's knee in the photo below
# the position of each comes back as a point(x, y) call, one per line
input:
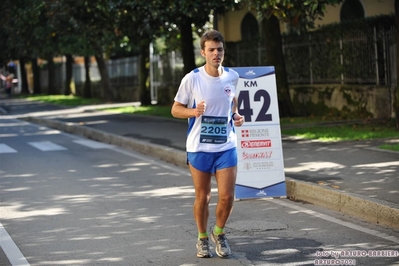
point(226, 198)
point(203, 198)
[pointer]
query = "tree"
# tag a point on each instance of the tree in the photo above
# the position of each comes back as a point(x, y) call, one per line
point(69, 73)
point(300, 14)
point(189, 14)
point(87, 87)
point(39, 28)
point(21, 23)
point(91, 25)
point(141, 22)
point(396, 98)
point(61, 18)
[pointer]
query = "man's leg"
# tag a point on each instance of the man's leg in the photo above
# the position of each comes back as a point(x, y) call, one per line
point(202, 186)
point(226, 181)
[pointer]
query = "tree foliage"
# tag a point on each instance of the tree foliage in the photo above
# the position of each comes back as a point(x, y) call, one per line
point(396, 95)
point(299, 13)
point(194, 13)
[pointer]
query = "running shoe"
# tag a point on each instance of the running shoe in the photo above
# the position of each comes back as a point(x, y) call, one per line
point(203, 249)
point(221, 246)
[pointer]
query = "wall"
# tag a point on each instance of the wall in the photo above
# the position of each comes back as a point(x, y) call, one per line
point(229, 24)
point(371, 8)
point(344, 100)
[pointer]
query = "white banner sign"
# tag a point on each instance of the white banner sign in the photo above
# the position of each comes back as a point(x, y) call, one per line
point(260, 170)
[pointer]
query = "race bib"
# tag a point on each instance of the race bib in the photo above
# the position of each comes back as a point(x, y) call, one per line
point(213, 130)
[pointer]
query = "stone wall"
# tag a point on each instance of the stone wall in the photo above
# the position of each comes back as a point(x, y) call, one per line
point(343, 100)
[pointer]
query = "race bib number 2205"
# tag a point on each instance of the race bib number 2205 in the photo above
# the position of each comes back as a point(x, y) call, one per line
point(213, 129)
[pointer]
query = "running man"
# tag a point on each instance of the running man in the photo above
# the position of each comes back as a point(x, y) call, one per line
point(207, 98)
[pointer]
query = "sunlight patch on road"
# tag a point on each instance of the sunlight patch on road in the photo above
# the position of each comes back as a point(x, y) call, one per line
point(18, 211)
point(377, 165)
point(314, 166)
point(16, 189)
point(169, 191)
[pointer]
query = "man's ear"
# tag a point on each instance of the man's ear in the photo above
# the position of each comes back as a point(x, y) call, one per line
point(203, 53)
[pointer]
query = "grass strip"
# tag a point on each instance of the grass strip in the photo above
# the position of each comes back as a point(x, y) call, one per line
point(306, 127)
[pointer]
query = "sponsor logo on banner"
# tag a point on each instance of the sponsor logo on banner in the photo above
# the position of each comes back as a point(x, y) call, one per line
point(256, 155)
point(250, 73)
point(267, 143)
point(261, 193)
point(255, 133)
point(258, 166)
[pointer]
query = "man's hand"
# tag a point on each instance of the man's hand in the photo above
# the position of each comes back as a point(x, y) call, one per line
point(200, 109)
point(238, 120)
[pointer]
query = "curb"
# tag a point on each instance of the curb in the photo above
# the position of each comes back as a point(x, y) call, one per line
point(368, 209)
point(371, 210)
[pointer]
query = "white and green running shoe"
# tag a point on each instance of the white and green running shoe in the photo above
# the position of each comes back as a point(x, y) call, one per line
point(221, 246)
point(203, 249)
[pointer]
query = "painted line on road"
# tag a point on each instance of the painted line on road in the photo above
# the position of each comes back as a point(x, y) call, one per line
point(93, 144)
point(337, 221)
point(11, 250)
point(4, 148)
point(47, 146)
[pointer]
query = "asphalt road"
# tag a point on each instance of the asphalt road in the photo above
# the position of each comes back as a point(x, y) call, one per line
point(67, 200)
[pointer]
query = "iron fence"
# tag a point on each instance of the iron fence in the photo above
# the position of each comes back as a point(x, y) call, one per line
point(357, 57)
point(122, 72)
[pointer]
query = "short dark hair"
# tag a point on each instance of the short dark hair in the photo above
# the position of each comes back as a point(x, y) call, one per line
point(211, 35)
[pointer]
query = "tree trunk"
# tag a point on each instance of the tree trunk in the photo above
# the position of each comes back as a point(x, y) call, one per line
point(23, 78)
point(275, 57)
point(87, 88)
point(145, 94)
point(51, 75)
point(396, 95)
point(37, 89)
point(187, 45)
point(69, 70)
point(106, 84)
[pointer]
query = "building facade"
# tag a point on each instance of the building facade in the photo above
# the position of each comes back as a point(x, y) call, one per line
point(234, 24)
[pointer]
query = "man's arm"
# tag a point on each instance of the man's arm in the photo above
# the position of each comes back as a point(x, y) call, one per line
point(234, 108)
point(237, 118)
point(180, 110)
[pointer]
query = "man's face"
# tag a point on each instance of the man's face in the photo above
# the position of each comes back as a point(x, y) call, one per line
point(213, 53)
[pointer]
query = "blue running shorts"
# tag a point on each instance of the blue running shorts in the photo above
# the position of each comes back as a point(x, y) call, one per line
point(209, 162)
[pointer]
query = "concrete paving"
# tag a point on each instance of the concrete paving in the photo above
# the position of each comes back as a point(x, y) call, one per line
point(354, 177)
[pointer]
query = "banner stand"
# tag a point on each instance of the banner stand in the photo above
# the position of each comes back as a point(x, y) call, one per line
point(260, 169)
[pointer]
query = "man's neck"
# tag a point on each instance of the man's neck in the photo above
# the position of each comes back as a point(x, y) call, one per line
point(213, 71)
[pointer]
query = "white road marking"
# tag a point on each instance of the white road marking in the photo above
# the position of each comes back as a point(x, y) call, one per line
point(337, 221)
point(11, 250)
point(6, 149)
point(47, 146)
point(93, 144)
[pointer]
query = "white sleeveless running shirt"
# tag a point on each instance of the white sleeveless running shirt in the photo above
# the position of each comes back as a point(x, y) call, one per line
point(214, 130)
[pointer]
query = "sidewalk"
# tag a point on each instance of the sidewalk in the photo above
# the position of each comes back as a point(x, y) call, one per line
point(355, 178)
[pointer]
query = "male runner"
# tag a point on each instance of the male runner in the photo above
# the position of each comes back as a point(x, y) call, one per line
point(207, 98)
